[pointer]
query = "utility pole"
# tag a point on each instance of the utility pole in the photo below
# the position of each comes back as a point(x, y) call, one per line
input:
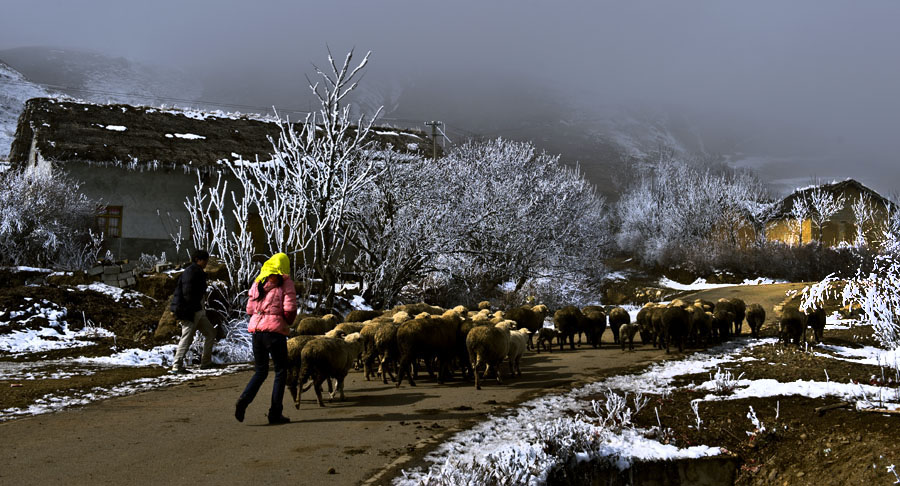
point(434, 128)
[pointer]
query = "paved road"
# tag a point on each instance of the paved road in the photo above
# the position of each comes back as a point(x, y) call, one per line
point(188, 435)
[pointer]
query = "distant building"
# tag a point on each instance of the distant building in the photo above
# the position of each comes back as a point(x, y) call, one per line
point(142, 162)
point(841, 227)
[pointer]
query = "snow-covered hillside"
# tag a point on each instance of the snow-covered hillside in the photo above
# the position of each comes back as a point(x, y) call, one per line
point(99, 78)
point(15, 89)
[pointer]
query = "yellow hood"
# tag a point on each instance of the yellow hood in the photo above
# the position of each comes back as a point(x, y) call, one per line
point(277, 265)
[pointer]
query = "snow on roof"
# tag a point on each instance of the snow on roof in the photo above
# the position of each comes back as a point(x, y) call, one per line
point(151, 137)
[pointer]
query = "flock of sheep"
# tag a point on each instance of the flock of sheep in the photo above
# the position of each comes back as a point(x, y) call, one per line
point(396, 343)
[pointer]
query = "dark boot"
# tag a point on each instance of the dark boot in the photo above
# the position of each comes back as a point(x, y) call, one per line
point(278, 420)
point(239, 408)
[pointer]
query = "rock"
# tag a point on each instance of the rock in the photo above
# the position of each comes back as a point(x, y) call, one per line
point(332, 471)
point(159, 286)
point(168, 326)
point(801, 474)
point(803, 436)
point(215, 270)
point(773, 474)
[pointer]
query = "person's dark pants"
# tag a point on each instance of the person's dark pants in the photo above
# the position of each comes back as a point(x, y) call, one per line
point(267, 344)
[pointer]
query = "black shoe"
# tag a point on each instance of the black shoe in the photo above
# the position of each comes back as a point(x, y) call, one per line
point(281, 419)
point(239, 409)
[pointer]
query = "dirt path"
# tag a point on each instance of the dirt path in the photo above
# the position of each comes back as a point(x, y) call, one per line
point(188, 433)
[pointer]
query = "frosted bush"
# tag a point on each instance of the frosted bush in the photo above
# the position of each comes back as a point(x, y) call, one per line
point(45, 221)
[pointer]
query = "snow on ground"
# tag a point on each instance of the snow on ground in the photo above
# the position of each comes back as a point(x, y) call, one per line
point(522, 435)
point(26, 269)
point(701, 284)
point(117, 294)
point(835, 321)
point(56, 334)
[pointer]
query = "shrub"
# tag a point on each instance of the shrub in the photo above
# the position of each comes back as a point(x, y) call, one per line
point(46, 221)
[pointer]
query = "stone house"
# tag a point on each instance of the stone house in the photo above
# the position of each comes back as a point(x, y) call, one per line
point(841, 227)
point(142, 163)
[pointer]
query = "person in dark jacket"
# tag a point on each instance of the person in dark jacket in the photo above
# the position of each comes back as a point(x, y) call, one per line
point(187, 305)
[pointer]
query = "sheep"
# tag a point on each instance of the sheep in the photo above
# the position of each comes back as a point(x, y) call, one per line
point(518, 341)
point(793, 325)
point(675, 324)
point(546, 335)
point(756, 316)
point(363, 315)
point(617, 317)
point(660, 333)
point(418, 308)
point(345, 327)
point(700, 327)
point(484, 305)
point(428, 337)
point(385, 343)
point(401, 317)
point(367, 336)
point(594, 324)
point(531, 318)
point(327, 358)
point(724, 309)
point(707, 305)
point(309, 326)
point(740, 311)
point(645, 323)
point(816, 318)
point(568, 322)
point(626, 334)
point(488, 345)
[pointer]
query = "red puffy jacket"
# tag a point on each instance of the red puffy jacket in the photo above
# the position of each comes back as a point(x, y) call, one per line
point(276, 311)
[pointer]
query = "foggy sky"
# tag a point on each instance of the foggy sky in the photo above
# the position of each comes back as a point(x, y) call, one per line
point(811, 78)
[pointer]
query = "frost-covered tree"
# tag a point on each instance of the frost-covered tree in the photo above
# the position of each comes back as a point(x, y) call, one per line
point(675, 206)
point(822, 206)
point(46, 221)
point(863, 212)
point(800, 211)
point(303, 195)
point(488, 213)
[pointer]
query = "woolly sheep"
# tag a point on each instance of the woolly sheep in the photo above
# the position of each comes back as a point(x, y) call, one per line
point(568, 322)
point(594, 324)
point(740, 311)
point(484, 305)
point(645, 323)
point(518, 341)
point(793, 325)
point(756, 316)
point(362, 315)
point(345, 327)
point(546, 335)
point(675, 324)
point(328, 358)
point(626, 334)
point(488, 345)
point(311, 326)
point(431, 337)
point(531, 318)
point(617, 317)
point(816, 318)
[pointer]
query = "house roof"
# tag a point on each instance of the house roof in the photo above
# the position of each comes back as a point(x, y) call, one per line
point(836, 188)
point(147, 137)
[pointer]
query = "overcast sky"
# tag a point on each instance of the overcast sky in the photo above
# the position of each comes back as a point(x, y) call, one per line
point(821, 73)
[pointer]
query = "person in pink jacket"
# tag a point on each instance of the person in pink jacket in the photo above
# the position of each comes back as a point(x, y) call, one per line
point(272, 306)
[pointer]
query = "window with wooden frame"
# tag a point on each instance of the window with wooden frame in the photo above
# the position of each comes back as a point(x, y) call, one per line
point(109, 221)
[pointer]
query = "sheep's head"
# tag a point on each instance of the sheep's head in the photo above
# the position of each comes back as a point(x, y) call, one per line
point(423, 315)
point(678, 303)
point(452, 315)
point(401, 317)
point(506, 325)
point(330, 318)
point(484, 305)
point(461, 310)
point(352, 338)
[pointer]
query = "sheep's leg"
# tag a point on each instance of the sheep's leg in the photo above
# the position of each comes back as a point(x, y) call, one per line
point(475, 364)
point(296, 395)
point(340, 388)
point(317, 385)
point(497, 371)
